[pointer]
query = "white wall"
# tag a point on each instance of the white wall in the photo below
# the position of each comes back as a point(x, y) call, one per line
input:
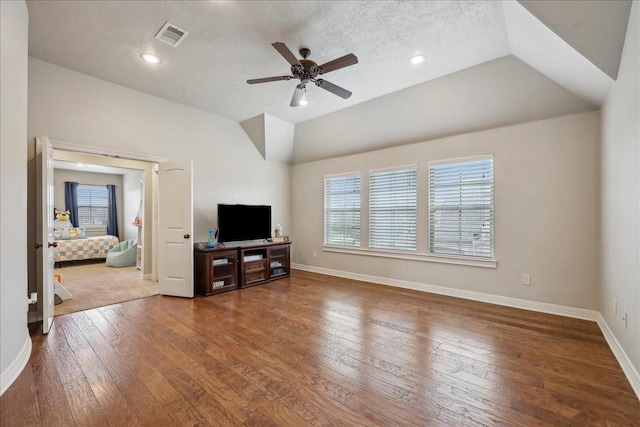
point(546, 210)
point(15, 344)
point(132, 195)
point(620, 187)
point(60, 176)
point(69, 106)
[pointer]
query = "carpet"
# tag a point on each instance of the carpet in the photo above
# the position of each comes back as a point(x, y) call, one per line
point(96, 285)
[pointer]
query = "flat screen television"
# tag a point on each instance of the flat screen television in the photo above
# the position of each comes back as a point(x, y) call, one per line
point(243, 222)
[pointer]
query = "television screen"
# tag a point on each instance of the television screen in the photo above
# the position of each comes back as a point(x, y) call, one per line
point(243, 222)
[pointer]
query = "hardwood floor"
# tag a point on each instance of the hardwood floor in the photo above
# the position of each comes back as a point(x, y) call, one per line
point(319, 350)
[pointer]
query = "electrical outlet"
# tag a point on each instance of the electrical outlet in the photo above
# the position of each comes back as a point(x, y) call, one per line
point(526, 279)
point(315, 254)
point(624, 319)
point(615, 307)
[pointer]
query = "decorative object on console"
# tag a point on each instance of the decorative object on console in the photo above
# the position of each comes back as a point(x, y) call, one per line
point(211, 243)
point(278, 231)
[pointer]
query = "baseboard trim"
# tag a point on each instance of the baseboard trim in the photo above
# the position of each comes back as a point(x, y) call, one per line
point(17, 365)
point(625, 363)
point(543, 307)
point(578, 313)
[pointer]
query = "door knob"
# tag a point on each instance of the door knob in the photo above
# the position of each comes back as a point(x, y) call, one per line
point(37, 245)
point(186, 236)
point(54, 244)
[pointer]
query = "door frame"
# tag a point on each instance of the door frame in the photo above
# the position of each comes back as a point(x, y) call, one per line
point(112, 158)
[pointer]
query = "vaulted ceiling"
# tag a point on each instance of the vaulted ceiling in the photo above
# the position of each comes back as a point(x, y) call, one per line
point(484, 60)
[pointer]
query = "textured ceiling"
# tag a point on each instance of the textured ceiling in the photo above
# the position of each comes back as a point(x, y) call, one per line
point(230, 42)
point(483, 59)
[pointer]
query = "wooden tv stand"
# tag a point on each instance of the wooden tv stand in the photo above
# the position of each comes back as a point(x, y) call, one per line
point(227, 268)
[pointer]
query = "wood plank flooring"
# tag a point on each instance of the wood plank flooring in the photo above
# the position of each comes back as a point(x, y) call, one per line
point(319, 350)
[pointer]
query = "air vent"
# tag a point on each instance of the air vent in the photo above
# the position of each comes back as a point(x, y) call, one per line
point(171, 35)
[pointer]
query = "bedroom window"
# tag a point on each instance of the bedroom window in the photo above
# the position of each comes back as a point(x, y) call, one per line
point(93, 206)
point(393, 209)
point(342, 210)
point(461, 207)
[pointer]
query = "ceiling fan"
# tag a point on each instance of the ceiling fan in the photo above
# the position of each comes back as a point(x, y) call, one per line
point(307, 71)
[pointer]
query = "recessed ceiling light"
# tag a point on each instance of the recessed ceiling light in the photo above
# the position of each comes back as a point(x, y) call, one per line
point(304, 101)
point(151, 58)
point(417, 59)
point(80, 165)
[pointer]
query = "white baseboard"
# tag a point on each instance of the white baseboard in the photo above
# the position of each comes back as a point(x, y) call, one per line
point(14, 369)
point(579, 313)
point(543, 307)
point(625, 363)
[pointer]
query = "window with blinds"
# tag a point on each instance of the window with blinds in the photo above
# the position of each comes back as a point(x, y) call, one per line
point(461, 207)
point(93, 205)
point(342, 210)
point(393, 209)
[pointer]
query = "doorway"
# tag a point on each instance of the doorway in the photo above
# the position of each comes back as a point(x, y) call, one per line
point(88, 280)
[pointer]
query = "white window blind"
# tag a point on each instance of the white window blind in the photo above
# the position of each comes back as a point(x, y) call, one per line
point(393, 209)
point(461, 207)
point(93, 205)
point(342, 210)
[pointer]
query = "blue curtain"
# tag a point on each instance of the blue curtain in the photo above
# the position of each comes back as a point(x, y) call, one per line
point(112, 221)
point(71, 202)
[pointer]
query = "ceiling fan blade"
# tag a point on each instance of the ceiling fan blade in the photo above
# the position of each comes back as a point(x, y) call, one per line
point(297, 96)
point(336, 90)
point(286, 53)
point(338, 63)
point(269, 79)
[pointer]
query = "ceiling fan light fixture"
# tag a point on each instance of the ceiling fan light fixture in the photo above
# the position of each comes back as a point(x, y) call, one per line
point(417, 59)
point(151, 58)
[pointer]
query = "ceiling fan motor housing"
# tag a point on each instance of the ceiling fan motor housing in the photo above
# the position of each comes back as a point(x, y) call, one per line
point(307, 70)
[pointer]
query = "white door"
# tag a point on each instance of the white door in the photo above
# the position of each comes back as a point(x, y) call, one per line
point(44, 235)
point(175, 228)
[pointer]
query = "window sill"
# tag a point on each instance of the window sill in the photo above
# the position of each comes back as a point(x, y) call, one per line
point(413, 256)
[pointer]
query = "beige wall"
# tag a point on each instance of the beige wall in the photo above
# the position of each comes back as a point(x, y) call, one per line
point(60, 176)
point(72, 107)
point(620, 226)
point(546, 210)
point(132, 194)
point(15, 343)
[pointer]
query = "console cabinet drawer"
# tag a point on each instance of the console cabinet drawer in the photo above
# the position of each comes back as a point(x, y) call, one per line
point(255, 276)
point(255, 266)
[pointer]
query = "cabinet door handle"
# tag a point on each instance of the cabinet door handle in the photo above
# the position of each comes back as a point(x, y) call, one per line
point(186, 236)
point(38, 245)
point(54, 244)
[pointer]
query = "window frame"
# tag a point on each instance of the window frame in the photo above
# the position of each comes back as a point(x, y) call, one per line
point(80, 206)
point(456, 161)
point(358, 241)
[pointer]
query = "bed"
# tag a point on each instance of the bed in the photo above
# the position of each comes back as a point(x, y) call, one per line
point(94, 247)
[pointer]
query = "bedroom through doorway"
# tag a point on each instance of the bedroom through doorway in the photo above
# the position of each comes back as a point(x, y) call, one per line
point(101, 255)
